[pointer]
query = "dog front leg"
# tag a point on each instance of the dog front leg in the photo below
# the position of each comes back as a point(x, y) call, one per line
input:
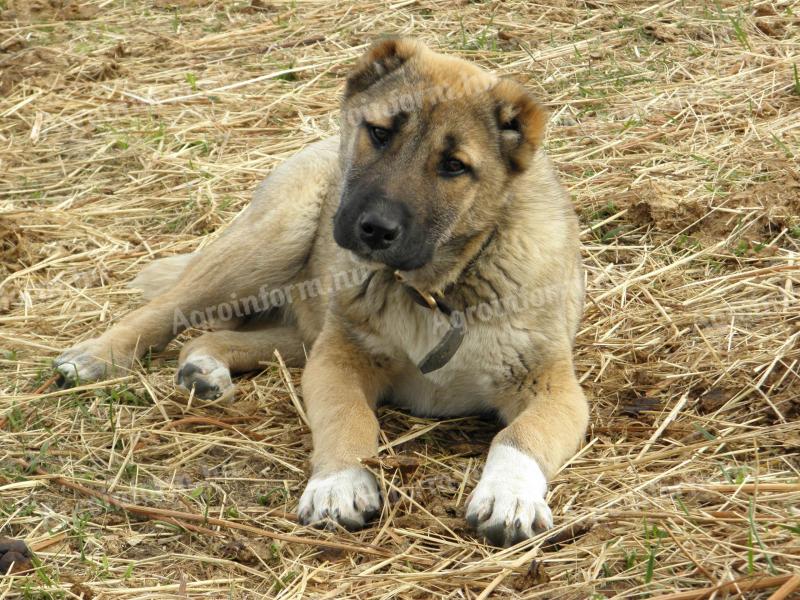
point(547, 422)
point(341, 386)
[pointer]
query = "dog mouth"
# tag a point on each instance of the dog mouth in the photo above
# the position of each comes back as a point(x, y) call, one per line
point(370, 258)
point(363, 260)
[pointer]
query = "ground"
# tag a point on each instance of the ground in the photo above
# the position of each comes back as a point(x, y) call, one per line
point(135, 129)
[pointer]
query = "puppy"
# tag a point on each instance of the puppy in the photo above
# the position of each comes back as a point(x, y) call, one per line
point(426, 256)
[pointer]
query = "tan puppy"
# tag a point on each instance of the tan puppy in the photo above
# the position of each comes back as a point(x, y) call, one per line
point(427, 256)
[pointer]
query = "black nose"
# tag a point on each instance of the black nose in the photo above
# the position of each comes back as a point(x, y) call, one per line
point(378, 231)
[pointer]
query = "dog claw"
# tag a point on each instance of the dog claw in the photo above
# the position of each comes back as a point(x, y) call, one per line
point(508, 504)
point(209, 377)
point(349, 498)
point(89, 361)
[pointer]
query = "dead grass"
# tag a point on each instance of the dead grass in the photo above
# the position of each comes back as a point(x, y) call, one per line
point(132, 129)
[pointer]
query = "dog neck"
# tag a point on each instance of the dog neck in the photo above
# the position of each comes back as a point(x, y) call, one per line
point(453, 261)
point(469, 269)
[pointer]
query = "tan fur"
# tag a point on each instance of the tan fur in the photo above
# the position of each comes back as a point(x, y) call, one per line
point(160, 275)
point(510, 233)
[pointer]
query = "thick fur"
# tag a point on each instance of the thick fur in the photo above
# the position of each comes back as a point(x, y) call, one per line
point(160, 275)
point(500, 243)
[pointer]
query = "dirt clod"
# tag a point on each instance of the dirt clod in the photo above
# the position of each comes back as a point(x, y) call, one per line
point(15, 557)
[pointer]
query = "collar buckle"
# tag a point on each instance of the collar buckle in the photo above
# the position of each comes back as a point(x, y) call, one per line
point(451, 342)
point(420, 297)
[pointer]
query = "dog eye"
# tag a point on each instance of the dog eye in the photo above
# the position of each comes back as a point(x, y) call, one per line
point(452, 167)
point(379, 136)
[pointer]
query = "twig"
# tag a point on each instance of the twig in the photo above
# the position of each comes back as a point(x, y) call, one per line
point(744, 584)
point(787, 588)
point(50, 381)
point(670, 417)
point(176, 517)
point(688, 555)
point(216, 422)
point(747, 488)
point(287, 378)
point(47, 542)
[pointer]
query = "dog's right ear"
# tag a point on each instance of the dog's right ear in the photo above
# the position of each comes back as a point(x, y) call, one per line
point(380, 59)
point(521, 121)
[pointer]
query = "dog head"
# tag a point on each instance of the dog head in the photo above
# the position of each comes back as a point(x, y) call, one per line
point(430, 146)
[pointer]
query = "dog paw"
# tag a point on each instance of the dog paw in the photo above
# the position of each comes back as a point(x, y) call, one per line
point(349, 498)
point(508, 504)
point(209, 377)
point(89, 361)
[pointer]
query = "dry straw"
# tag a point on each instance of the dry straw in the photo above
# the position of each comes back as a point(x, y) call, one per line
point(132, 129)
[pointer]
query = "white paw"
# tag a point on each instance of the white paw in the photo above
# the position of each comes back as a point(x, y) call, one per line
point(209, 377)
point(508, 504)
point(89, 361)
point(349, 497)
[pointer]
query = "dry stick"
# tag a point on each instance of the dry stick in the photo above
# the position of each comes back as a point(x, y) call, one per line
point(287, 378)
point(670, 452)
point(688, 555)
point(737, 276)
point(710, 517)
point(746, 488)
point(53, 378)
point(47, 542)
point(190, 527)
point(224, 420)
point(217, 422)
point(175, 516)
point(745, 584)
point(786, 589)
point(670, 417)
point(493, 584)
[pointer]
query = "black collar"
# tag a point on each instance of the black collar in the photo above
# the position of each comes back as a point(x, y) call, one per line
point(451, 342)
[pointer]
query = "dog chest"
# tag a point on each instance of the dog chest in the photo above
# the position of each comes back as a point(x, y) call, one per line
point(466, 384)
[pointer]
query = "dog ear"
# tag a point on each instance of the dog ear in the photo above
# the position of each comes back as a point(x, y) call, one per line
point(521, 121)
point(382, 57)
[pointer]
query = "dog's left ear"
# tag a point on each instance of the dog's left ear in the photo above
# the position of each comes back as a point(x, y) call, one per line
point(379, 60)
point(521, 121)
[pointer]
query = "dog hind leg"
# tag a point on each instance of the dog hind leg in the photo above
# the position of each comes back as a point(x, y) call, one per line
point(161, 274)
point(207, 362)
